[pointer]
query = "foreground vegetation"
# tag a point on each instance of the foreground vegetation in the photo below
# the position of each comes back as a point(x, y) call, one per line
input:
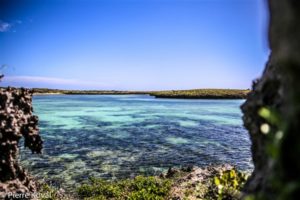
point(134, 189)
point(210, 183)
point(186, 94)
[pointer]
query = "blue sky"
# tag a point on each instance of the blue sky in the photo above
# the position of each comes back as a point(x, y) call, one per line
point(133, 44)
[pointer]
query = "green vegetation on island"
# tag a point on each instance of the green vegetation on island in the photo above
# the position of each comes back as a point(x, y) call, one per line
point(40, 91)
point(203, 94)
point(180, 94)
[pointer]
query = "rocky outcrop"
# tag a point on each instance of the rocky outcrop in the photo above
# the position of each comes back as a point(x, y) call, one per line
point(277, 176)
point(16, 121)
point(196, 183)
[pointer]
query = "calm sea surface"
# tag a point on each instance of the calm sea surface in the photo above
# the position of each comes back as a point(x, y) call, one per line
point(117, 136)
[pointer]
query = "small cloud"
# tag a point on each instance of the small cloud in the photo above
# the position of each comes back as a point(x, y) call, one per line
point(40, 81)
point(4, 26)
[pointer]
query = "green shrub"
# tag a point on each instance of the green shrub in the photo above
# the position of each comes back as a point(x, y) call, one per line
point(227, 185)
point(139, 188)
point(100, 189)
point(48, 192)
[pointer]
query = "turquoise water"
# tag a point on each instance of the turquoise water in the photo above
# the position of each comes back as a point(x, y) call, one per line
point(117, 136)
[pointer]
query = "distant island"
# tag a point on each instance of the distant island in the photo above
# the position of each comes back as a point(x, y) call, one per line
point(178, 94)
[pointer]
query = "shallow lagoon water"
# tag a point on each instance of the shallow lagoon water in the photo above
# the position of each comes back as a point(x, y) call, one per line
point(120, 136)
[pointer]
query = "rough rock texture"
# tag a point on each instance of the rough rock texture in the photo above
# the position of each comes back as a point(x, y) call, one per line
point(267, 92)
point(278, 89)
point(192, 184)
point(16, 121)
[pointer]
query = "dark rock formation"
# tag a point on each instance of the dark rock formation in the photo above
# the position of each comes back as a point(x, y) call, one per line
point(16, 121)
point(277, 177)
